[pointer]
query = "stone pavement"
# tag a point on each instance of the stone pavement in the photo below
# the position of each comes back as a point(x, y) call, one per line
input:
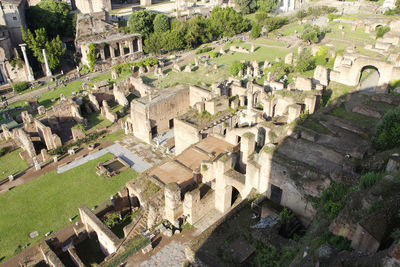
point(145, 151)
point(136, 163)
point(171, 255)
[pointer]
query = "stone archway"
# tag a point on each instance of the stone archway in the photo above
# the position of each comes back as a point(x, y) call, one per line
point(369, 78)
point(348, 70)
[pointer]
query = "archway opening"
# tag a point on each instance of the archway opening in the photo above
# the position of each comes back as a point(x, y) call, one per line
point(369, 78)
point(236, 197)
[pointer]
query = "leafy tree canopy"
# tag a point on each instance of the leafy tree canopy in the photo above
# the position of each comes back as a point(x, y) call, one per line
point(52, 15)
point(246, 6)
point(141, 22)
point(226, 22)
point(161, 23)
point(37, 40)
point(267, 5)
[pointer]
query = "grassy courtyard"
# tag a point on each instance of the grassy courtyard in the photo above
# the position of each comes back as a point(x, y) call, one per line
point(11, 163)
point(46, 203)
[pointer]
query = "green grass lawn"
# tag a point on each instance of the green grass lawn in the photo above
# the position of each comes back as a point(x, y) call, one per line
point(201, 74)
point(11, 163)
point(45, 98)
point(95, 120)
point(46, 203)
point(358, 35)
point(260, 54)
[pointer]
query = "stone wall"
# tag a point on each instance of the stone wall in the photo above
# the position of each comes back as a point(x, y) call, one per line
point(194, 207)
point(108, 240)
point(156, 113)
point(93, 6)
point(198, 94)
point(51, 140)
point(185, 135)
point(173, 203)
point(108, 113)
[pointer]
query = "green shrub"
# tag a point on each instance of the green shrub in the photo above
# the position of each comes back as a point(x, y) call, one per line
point(80, 126)
point(305, 61)
point(394, 84)
point(203, 50)
point(312, 33)
point(381, 31)
point(280, 68)
point(369, 179)
point(333, 199)
point(213, 54)
point(20, 86)
point(236, 67)
point(91, 56)
point(16, 62)
point(388, 130)
point(3, 151)
point(111, 219)
point(255, 30)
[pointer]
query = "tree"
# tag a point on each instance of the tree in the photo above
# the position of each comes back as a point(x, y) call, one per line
point(226, 22)
point(312, 33)
point(54, 52)
point(161, 23)
point(236, 67)
point(38, 40)
point(267, 5)
point(246, 6)
point(274, 23)
point(305, 61)
point(388, 130)
point(35, 41)
point(255, 30)
point(154, 43)
point(52, 15)
point(141, 22)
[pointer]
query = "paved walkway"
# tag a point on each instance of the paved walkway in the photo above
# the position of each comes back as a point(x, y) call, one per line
point(171, 255)
point(134, 161)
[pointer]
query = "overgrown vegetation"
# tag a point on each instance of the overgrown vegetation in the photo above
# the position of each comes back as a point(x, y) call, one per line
point(388, 130)
point(223, 22)
point(381, 31)
point(236, 67)
point(127, 67)
point(312, 33)
point(91, 56)
point(315, 11)
point(20, 86)
point(332, 200)
point(369, 179)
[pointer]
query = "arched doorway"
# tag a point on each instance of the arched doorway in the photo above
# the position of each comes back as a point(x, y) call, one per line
point(369, 78)
point(236, 197)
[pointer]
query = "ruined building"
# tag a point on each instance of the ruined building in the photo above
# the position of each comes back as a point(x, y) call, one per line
point(111, 45)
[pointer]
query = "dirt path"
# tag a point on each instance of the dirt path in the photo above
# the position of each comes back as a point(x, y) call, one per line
point(17, 98)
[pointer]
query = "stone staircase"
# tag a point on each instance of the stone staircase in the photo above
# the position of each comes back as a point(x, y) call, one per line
point(140, 226)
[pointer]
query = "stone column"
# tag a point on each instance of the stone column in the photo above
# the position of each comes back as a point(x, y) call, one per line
point(139, 40)
point(102, 54)
point(4, 72)
point(46, 63)
point(130, 44)
point(112, 52)
point(121, 49)
point(30, 75)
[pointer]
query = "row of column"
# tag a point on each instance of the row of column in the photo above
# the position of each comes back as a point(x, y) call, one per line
point(28, 66)
point(120, 46)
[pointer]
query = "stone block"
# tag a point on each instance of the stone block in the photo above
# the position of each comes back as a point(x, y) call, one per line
point(303, 84)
